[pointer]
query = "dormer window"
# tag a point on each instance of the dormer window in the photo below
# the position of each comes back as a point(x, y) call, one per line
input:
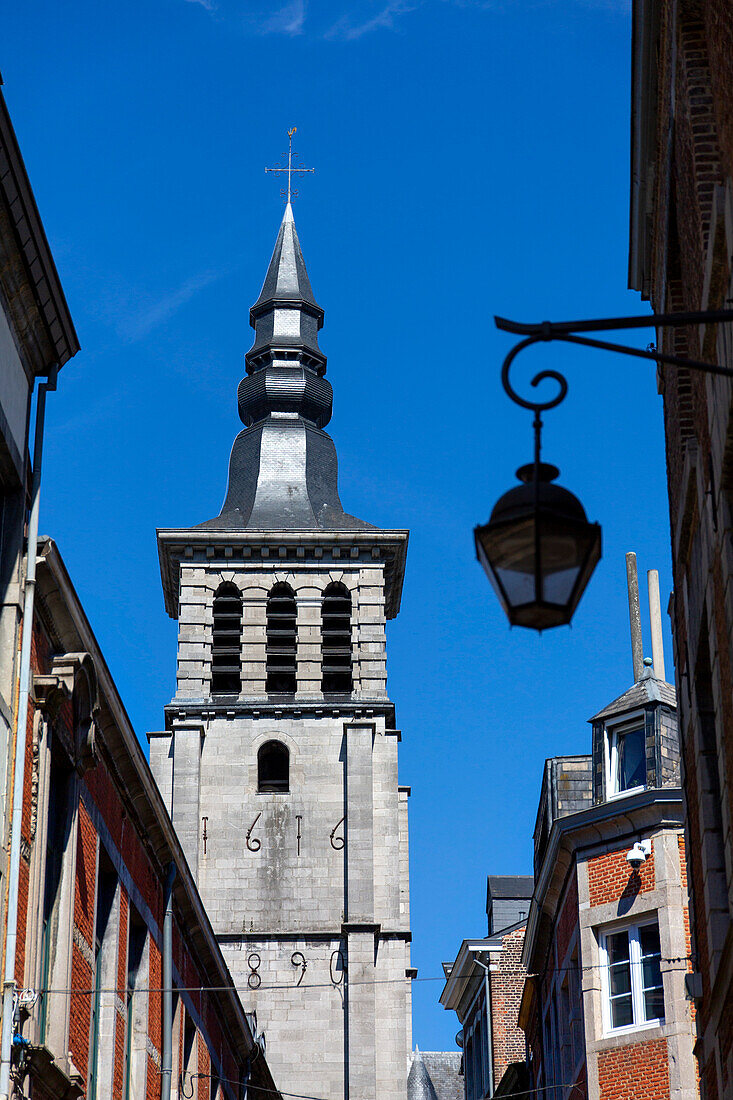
point(627, 757)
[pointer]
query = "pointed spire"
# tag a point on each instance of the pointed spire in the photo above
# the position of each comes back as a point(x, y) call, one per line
point(286, 316)
point(283, 470)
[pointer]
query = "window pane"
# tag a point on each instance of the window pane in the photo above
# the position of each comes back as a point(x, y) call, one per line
point(631, 760)
point(621, 1012)
point(653, 1004)
point(649, 939)
point(617, 946)
point(651, 975)
point(619, 978)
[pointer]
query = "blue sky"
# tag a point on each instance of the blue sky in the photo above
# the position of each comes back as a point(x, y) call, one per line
point(471, 159)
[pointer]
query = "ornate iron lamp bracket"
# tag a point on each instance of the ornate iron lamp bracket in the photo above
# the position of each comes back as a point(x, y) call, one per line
point(568, 332)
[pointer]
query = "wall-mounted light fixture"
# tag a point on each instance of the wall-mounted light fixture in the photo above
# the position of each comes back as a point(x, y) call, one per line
point(538, 548)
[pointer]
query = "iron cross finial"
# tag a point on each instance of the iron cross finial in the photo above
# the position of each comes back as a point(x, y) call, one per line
point(291, 170)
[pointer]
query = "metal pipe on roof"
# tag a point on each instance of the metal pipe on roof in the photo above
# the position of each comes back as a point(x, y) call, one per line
point(637, 649)
point(166, 1069)
point(18, 774)
point(655, 616)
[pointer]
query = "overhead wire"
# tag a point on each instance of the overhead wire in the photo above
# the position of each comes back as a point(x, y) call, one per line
point(513, 972)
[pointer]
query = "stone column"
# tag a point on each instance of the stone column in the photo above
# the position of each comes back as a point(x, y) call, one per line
point(193, 672)
point(254, 641)
point(370, 644)
point(359, 928)
point(187, 741)
point(309, 641)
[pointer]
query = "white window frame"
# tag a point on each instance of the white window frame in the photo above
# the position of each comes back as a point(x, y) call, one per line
point(612, 734)
point(637, 990)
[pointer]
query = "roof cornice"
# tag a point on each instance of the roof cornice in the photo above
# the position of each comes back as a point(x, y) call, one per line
point(47, 329)
point(283, 549)
point(613, 820)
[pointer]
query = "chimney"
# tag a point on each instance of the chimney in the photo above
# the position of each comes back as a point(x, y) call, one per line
point(637, 651)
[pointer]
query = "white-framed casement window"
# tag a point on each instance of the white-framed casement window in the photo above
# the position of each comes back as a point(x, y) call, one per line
point(632, 978)
point(626, 756)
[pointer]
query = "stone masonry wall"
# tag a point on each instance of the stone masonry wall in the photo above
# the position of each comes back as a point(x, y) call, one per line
point(307, 889)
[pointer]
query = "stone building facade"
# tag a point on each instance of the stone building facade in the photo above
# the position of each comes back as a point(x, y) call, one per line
point(484, 988)
point(607, 945)
point(279, 756)
point(98, 850)
point(681, 245)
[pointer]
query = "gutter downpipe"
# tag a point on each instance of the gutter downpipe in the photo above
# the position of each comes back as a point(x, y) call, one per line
point(6, 1038)
point(166, 1070)
point(489, 1029)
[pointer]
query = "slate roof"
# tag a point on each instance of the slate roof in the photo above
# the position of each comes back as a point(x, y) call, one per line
point(283, 469)
point(510, 886)
point(646, 690)
point(435, 1075)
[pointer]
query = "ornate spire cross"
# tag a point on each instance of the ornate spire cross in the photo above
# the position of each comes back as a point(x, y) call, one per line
point(291, 169)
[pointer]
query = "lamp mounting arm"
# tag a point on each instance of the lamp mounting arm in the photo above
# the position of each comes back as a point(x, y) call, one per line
point(568, 331)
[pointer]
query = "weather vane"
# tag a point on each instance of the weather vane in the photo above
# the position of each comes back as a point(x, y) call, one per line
point(291, 170)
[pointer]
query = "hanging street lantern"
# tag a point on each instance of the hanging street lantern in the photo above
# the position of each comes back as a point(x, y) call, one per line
point(538, 548)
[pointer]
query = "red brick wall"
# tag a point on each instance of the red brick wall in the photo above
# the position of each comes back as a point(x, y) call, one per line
point(639, 1071)
point(82, 978)
point(610, 878)
point(205, 1069)
point(507, 983)
point(108, 802)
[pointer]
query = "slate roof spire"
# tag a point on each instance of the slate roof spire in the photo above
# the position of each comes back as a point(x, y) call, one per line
point(283, 471)
point(286, 316)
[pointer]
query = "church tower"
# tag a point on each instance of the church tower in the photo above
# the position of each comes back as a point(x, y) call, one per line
point(279, 758)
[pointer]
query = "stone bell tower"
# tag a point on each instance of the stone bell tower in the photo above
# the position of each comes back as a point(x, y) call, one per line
point(279, 758)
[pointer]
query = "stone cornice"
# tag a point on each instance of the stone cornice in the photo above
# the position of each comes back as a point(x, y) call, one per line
point(230, 549)
point(28, 275)
point(610, 822)
point(183, 710)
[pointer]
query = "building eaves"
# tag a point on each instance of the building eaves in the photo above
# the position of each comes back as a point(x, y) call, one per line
point(619, 818)
point(644, 137)
point(16, 195)
point(647, 690)
point(464, 968)
point(145, 802)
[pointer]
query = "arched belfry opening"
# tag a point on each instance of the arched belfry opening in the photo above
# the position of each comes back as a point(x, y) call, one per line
point(281, 640)
point(273, 768)
point(226, 660)
point(336, 666)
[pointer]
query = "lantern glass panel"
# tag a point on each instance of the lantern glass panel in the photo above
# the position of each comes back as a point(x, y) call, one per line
point(512, 556)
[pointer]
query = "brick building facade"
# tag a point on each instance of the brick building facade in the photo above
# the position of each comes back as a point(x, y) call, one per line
point(98, 848)
point(681, 244)
point(484, 988)
point(607, 945)
point(37, 337)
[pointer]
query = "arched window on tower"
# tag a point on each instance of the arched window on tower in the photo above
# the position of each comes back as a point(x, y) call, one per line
point(336, 641)
point(226, 660)
point(273, 767)
point(281, 640)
